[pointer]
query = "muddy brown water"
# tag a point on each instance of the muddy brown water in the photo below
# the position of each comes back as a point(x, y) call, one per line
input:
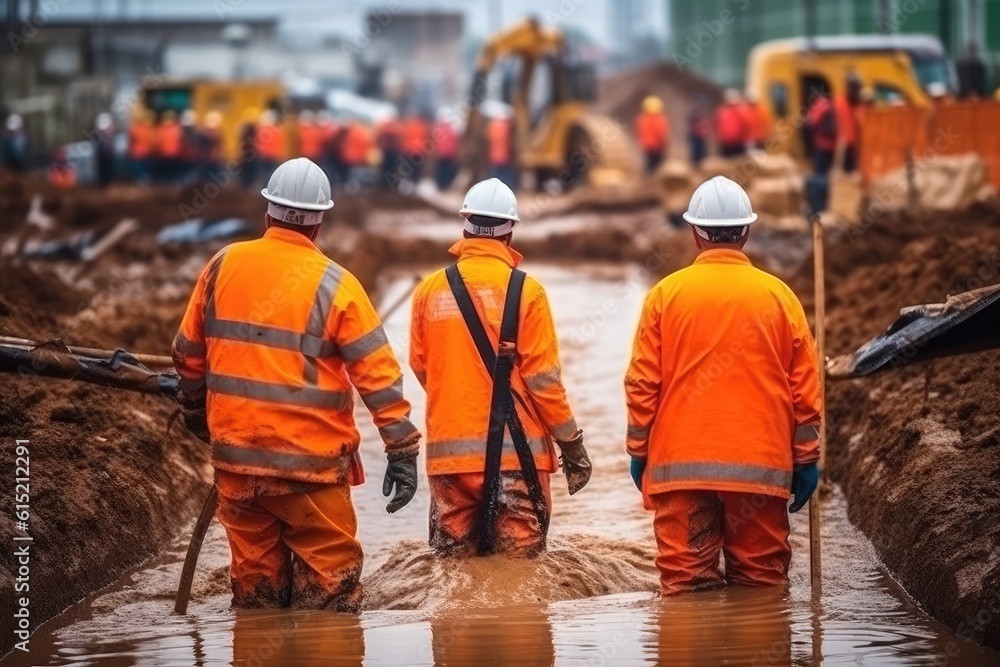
point(590, 600)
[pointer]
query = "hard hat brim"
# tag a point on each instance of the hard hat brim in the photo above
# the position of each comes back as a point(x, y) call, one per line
point(294, 204)
point(727, 222)
point(466, 212)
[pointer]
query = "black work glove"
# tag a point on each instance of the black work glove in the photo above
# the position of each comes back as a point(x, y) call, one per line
point(575, 463)
point(402, 472)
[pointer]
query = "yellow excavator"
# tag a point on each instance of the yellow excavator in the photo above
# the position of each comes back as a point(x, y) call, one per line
point(555, 136)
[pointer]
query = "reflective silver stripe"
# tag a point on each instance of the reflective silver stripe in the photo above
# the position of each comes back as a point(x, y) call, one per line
point(637, 432)
point(261, 334)
point(320, 313)
point(477, 447)
point(806, 433)
point(398, 431)
point(362, 347)
point(384, 397)
point(307, 397)
point(542, 381)
point(188, 347)
point(565, 431)
point(722, 472)
point(262, 458)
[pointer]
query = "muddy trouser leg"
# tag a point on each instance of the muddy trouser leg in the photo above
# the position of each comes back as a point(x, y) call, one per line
point(455, 501)
point(320, 528)
point(756, 547)
point(519, 532)
point(689, 533)
point(261, 563)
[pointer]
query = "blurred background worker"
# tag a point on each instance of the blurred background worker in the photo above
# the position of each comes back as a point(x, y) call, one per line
point(652, 132)
point(104, 148)
point(846, 107)
point(328, 132)
point(821, 130)
point(389, 139)
point(248, 147)
point(415, 146)
point(270, 142)
point(170, 141)
point(490, 494)
point(499, 138)
point(280, 417)
point(141, 145)
point(190, 143)
point(60, 172)
point(731, 129)
point(717, 445)
point(698, 122)
point(756, 121)
point(446, 141)
point(210, 146)
point(356, 147)
point(310, 137)
point(14, 148)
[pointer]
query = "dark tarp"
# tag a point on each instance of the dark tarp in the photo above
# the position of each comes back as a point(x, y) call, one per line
point(966, 322)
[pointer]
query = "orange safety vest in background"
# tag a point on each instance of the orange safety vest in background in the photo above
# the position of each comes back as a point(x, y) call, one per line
point(730, 125)
point(498, 138)
point(847, 129)
point(756, 121)
point(445, 360)
point(280, 335)
point(270, 141)
point(357, 144)
point(723, 388)
point(141, 140)
point(652, 131)
point(310, 140)
point(171, 139)
point(415, 136)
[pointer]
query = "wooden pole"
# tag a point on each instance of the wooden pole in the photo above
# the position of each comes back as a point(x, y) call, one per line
point(150, 360)
point(819, 278)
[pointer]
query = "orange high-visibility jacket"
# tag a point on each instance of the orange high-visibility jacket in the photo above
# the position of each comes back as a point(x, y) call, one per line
point(723, 387)
point(271, 142)
point(498, 139)
point(652, 131)
point(847, 122)
point(415, 135)
point(310, 140)
point(278, 333)
point(731, 125)
point(171, 139)
point(358, 142)
point(444, 358)
point(141, 140)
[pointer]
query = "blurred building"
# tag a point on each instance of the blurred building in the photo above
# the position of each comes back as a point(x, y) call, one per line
point(633, 38)
point(414, 59)
point(713, 37)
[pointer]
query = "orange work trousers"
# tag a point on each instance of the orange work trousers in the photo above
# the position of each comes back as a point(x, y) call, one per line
point(455, 505)
point(295, 549)
point(750, 531)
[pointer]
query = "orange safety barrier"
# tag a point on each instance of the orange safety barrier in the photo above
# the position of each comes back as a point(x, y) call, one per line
point(890, 135)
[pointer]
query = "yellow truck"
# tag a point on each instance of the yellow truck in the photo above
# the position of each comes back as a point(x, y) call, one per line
point(897, 69)
point(230, 98)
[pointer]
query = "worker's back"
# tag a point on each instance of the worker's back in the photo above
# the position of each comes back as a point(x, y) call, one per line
point(729, 336)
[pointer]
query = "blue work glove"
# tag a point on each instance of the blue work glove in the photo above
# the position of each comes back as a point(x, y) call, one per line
point(804, 481)
point(636, 468)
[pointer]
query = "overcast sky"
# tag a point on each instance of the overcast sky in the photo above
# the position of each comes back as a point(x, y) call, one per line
point(345, 16)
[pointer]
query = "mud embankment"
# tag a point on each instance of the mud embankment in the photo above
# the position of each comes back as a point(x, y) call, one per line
point(917, 449)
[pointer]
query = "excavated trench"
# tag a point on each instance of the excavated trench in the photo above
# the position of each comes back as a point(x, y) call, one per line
point(591, 598)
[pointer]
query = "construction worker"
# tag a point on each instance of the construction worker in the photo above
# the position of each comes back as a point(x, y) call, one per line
point(822, 135)
point(652, 131)
point(698, 124)
point(210, 146)
point(310, 137)
point(171, 145)
point(103, 140)
point(190, 147)
point(329, 151)
point(723, 406)
point(389, 139)
point(141, 145)
point(274, 340)
point(731, 128)
point(490, 492)
point(248, 147)
point(355, 150)
point(416, 146)
point(499, 140)
point(756, 121)
point(846, 108)
point(270, 142)
point(445, 136)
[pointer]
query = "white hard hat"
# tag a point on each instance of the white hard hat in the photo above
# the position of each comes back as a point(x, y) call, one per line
point(298, 192)
point(491, 199)
point(937, 89)
point(188, 117)
point(720, 202)
point(103, 121)
point(14, 122)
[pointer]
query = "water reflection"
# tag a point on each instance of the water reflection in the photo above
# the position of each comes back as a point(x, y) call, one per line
point(297, 638)
point(522, 636)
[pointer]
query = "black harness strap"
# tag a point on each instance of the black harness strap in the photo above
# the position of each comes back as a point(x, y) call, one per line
point(500, 365)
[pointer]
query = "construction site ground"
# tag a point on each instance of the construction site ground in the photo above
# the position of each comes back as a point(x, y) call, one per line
point(914, 457)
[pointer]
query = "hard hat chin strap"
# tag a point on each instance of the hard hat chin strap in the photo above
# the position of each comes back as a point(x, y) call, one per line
point(294, 216)
point(479, 230)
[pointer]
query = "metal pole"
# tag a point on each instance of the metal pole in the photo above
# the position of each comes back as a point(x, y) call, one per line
point(819, 278)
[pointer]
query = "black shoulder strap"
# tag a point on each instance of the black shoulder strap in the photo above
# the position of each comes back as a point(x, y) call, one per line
point(472, 321)
point(512, 307)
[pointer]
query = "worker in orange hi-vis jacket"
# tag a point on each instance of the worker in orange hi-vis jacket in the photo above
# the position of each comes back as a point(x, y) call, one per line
point(723, 407)
point(274, 342)
point(652, 131)
point(484, 346)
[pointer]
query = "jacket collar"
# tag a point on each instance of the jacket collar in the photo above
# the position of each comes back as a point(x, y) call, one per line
point(479, 247)
point(276, 233)
point(723, 256)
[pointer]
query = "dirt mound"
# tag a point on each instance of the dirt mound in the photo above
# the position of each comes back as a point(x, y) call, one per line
point(917, 450)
